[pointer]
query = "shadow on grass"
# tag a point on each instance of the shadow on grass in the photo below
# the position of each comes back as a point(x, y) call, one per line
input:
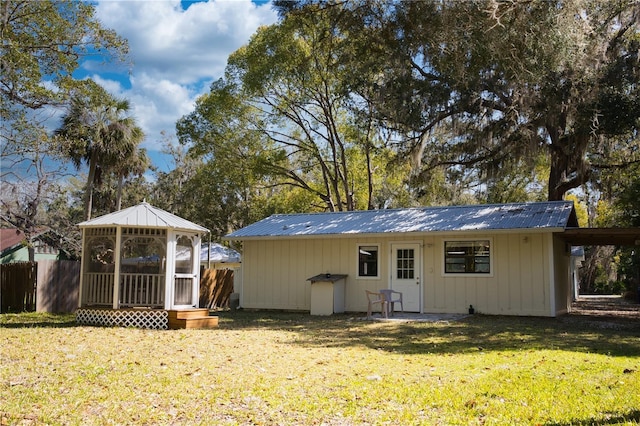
point(472, 334)
point(630, 417)
point(35, 319)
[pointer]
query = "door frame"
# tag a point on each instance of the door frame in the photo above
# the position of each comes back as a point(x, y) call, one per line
point(173, 276)
point(419, 268)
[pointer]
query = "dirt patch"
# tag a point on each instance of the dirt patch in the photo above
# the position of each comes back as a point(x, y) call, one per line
point(607, 311)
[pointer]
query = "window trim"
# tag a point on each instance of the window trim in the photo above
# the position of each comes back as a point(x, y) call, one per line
point(467, 274)
point(379, 260)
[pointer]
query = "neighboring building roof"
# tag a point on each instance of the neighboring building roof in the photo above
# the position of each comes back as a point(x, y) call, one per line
point(552, 215)
point(47, 241)
point(9, 238)
point(143, 215)
point(14, 237)
point(219, 254)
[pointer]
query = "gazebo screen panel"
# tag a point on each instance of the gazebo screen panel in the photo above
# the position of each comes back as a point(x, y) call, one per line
point(99, 270)
point(142, 267)
point(101, 254)
point(145, 255)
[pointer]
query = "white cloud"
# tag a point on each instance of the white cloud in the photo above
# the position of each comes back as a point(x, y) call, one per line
point(176, 53)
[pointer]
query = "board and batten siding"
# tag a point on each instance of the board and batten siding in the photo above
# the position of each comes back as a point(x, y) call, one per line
point(524, 273)
point(276, 272)
point(518, 284)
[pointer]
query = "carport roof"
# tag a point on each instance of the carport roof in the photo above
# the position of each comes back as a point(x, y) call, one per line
point(601, 236)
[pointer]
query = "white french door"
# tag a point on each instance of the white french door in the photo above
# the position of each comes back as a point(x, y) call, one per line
point(406, 273)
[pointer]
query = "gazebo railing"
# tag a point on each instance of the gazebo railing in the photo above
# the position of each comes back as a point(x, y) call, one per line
point(142, 290)
point(136, 290)
point(98, 289)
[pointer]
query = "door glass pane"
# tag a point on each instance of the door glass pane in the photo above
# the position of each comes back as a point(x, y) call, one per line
point(405, 264)
point(184, 256)
point(183, 291)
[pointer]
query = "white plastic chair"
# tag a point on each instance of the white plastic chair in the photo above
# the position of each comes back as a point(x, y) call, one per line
point(392, 297)
point(377, 298)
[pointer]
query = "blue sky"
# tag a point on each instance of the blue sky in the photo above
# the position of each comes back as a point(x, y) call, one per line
point(177, 50)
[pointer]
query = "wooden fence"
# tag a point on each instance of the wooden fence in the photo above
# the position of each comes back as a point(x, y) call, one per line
point(18, 287)
point(58, 285)
point(216, 286)
point(43, 286)
point(54, 286)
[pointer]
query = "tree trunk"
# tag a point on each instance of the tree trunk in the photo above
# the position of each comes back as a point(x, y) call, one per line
point(556, 173)
point(119, 196)
point(569, 168)
point(369, 177)
point(88, 196)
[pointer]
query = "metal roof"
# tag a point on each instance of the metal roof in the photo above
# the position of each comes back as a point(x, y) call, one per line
point(553, 214)
point(143, 215)
point(219, 253)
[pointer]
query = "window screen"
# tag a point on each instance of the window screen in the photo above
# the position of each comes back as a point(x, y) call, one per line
point(467, 257)
point(367, 261)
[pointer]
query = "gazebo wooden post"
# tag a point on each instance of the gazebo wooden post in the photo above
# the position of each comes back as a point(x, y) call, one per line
point(170, 269)
point(82, 269)
point(116, 272)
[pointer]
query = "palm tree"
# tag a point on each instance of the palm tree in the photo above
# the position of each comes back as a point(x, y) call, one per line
point(96, 130)
point(134, 165)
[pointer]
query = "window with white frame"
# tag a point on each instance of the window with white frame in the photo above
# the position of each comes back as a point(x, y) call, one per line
point(467, 257)
point(368, 260)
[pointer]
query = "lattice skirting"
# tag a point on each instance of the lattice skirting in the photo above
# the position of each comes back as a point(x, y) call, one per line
point(139, 318)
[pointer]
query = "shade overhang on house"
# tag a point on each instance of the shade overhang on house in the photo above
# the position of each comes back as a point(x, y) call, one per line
point(601, 236)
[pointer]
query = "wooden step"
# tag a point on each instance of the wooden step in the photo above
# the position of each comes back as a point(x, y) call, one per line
point(192, 318)
point(188, 313)
point(203, 322)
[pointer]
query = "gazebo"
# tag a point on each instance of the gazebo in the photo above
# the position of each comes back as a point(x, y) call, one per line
point(141, 267)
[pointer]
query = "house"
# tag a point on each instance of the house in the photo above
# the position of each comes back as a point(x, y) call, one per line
point(502, 259)
point(46, 244)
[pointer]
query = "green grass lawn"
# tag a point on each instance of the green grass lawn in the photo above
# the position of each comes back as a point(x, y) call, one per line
point(282, 368)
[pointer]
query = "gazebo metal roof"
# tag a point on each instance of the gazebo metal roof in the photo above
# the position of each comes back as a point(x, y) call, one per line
point(143, 215)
